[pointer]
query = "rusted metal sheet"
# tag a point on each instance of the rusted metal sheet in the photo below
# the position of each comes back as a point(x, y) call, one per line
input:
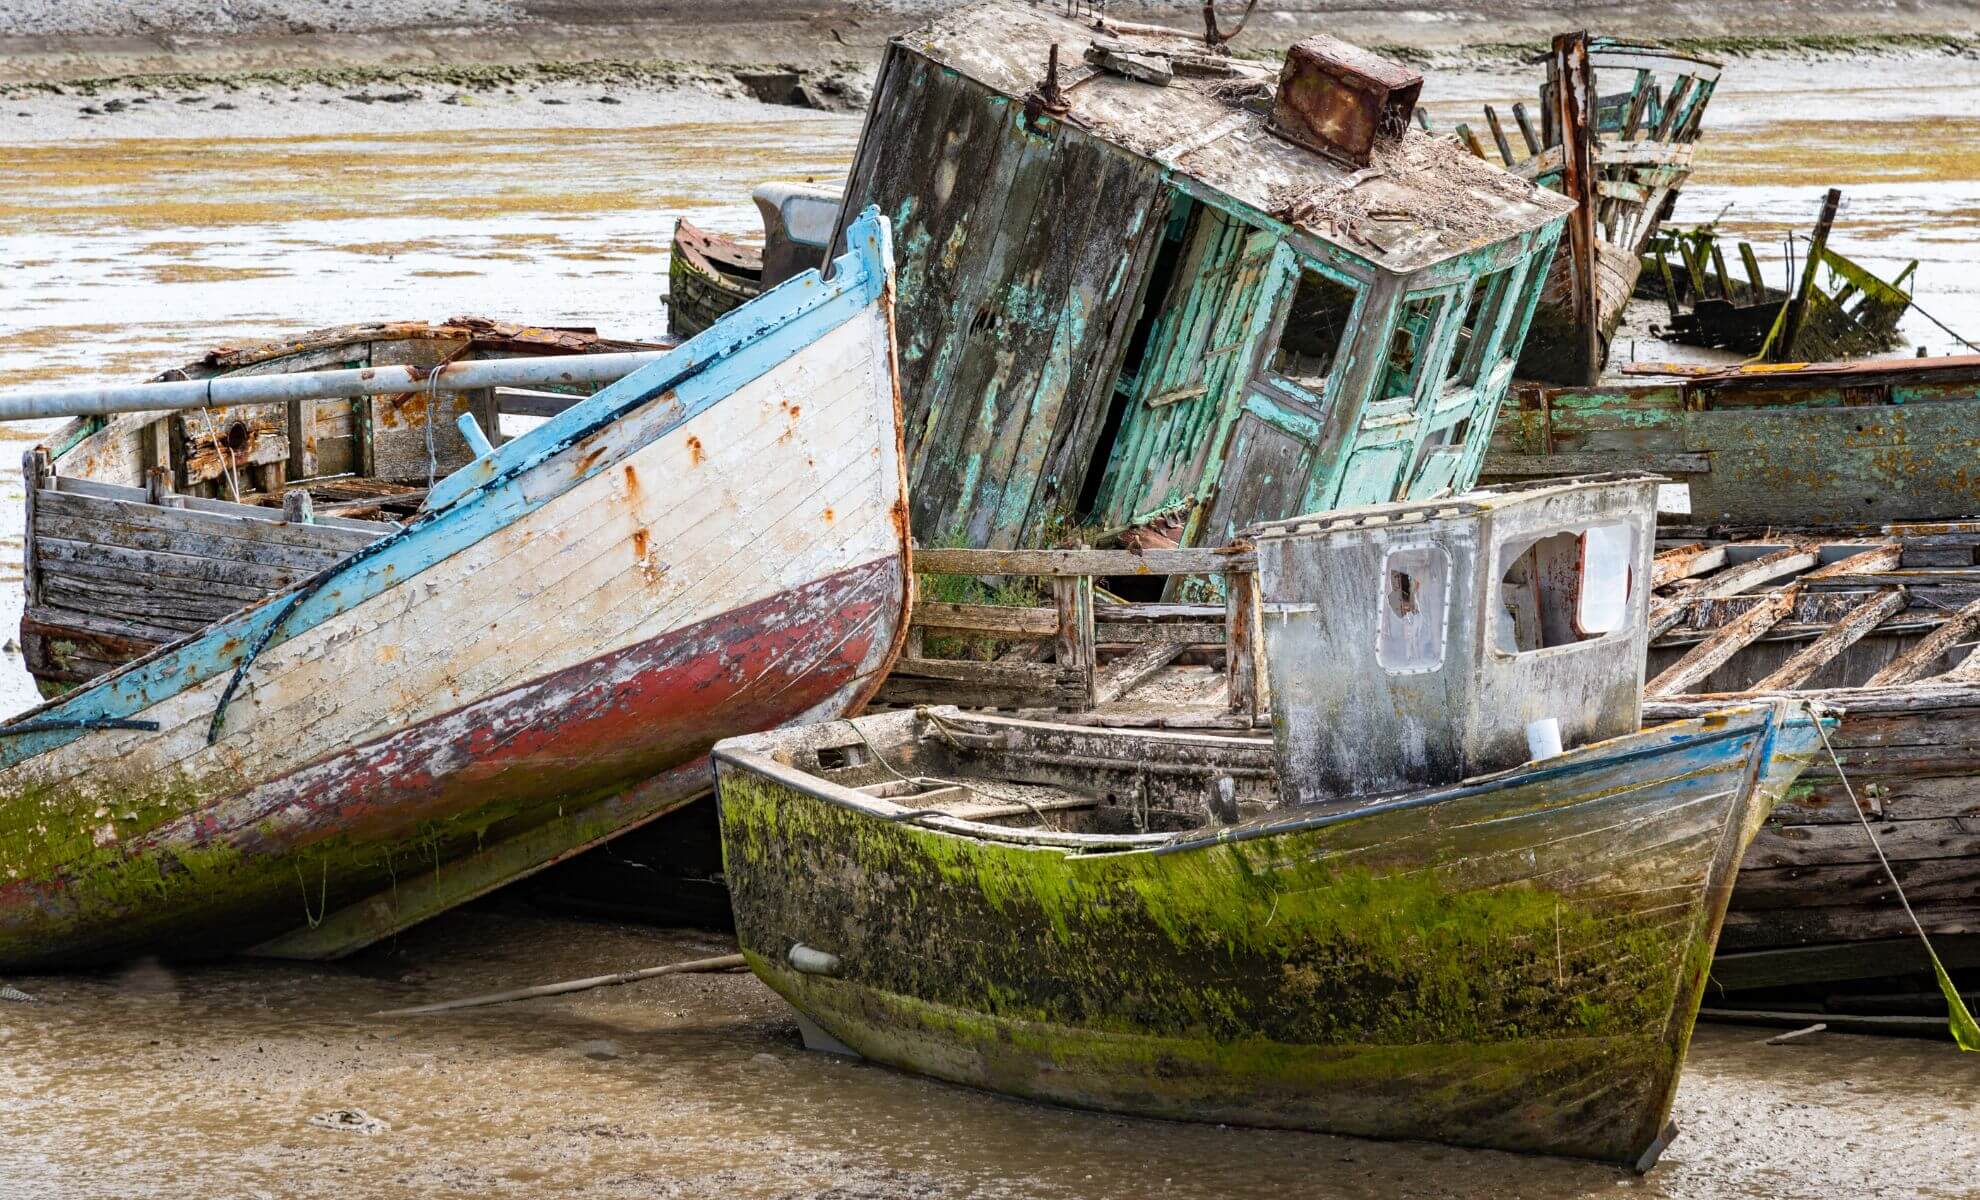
point(1338, 99)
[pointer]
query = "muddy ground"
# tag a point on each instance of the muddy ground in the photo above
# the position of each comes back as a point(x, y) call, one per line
point(168, 1082)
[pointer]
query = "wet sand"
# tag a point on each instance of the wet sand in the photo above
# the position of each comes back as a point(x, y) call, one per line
point(200, 1081)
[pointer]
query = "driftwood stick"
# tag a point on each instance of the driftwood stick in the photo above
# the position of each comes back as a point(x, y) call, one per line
point(725, 962)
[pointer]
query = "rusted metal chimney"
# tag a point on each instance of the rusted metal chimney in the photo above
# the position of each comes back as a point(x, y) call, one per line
point(1338, 99)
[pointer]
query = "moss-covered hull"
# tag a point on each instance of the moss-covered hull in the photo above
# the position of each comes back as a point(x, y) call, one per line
point(1515, 963)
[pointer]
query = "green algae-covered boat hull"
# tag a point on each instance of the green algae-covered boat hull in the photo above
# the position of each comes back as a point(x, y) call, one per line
point(1512, 963)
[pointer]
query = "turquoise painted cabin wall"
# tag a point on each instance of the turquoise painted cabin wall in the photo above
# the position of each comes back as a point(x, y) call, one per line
point(1028, 250)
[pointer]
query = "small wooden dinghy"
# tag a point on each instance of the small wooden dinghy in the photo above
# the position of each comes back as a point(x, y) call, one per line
point(708, 276)
point(1382, 924)
point(712, 545)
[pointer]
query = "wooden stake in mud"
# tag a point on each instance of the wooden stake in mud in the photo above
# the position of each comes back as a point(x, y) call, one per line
point(725, 962)
point(1798, 307)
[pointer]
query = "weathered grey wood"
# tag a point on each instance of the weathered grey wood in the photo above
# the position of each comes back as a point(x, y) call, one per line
point(1123, 675)
point(1082, 562)
point(36, 470)
point(1073, 597)
point(267, 527)
point(1821, 964)
point(1919, 661)
point(1967, 670)
point(297, 508)
point(1846, 633)
point(1243, 646)
point(1684, 562)
point(1005, 620)
point(1712, 653)
point(1873, 561)
point(1176, 633)
point(1594, 462)
point(1844, 842)
point(526, 402)
point(306, 559)
point(1733, 580)
point(146, 568)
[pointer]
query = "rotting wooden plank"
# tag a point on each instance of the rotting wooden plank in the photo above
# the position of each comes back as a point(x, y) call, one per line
point(1967, 670)
point(1873, 561)
point(1825, 964)
point(1244, 666)
point(1083, 562)
point(1129, 672)
point(1922, 659)
point(1006, 620)
point(103, 560)
point(271, 528)
point(1733, 580)
point(1684, 562)
point(1846, 633)
point(1175, 633)
point(1594, 462)
point(1712, 653)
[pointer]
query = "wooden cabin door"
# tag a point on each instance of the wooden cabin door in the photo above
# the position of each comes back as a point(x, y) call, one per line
point(1210, 331)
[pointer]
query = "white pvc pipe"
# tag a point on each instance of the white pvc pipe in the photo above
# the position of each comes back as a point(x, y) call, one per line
point(36, 404)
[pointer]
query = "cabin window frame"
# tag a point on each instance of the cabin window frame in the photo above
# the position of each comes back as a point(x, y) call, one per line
point(1437, 559)
point(1282, 387)
point(1432, 351)
point(1509, 550)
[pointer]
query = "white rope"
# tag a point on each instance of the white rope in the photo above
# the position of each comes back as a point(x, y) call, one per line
point(225, 452)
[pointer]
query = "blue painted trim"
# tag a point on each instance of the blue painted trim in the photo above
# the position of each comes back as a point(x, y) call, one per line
point(487, 495)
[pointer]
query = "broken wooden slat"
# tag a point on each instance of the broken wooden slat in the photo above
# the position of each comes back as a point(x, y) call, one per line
point(1130, 671)
point(1873, 561)
point(1968, 670)
point(1685, 562)
point(1916, 663)
point(1844, 634)
point(1789, 560)
point(1499, 135)
point(1525, 124)
point(1712, 653)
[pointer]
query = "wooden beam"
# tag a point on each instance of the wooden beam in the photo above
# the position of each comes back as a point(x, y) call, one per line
point(1001, 619)
point(1712, 653)
point(1916, 663)
point(1684, 562)
point(1244, 663)
point(1844, 634)
point(1594, 462)
point(1789, 560)
point(1968, 670)
point(1873, 561)
point(1084, 562)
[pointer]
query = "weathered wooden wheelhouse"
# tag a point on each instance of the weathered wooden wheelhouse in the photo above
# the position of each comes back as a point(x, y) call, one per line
point(1140, 285)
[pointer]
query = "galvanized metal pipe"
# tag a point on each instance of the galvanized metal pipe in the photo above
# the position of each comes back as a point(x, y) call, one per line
point(38, 404)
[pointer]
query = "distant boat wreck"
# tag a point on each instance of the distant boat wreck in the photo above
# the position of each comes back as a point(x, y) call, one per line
point(1622, 156)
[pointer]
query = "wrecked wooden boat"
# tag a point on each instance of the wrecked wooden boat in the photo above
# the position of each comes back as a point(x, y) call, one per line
point(1383, 921)
point(710, 274)
point(144, 527)
point(1837, 310)
point(1622, 155)
point(1804, 446)
point(1147, 282)
point(1882, 626)
point(538, 661)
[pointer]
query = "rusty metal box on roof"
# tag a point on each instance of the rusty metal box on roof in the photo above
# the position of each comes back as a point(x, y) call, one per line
point(1338, 99)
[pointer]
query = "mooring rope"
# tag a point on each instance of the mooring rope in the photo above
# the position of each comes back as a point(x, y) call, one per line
point(1965, 1031)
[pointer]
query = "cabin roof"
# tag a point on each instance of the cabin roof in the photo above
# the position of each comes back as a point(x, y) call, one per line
point(1423, 200)
point(1409, 512)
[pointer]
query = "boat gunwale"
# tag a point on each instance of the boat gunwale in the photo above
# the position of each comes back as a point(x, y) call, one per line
point(1771, 714)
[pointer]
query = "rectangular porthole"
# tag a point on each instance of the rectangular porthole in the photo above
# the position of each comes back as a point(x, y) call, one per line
point(1415, 603)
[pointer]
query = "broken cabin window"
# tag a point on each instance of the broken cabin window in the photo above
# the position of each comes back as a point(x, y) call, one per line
point(1474, 336)
point(1316, 325)
point(1567, 587)
point(1410, 346)
point(1409, 636)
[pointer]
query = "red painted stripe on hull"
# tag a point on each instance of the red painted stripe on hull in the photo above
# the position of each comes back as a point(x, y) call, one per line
point(494, 768)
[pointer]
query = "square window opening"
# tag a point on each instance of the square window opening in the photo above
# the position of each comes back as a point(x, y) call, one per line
point(1316, 325)
point(1415, 609)
point(1567, 587)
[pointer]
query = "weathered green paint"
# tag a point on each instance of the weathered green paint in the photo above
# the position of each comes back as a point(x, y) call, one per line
point(1027, 253)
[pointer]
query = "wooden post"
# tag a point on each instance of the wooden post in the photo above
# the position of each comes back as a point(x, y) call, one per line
point(1798, 307)
point(37, 472)
point(1073, 595)
point(158, 485)
point(1639, 97)
point(1245, 678)
point(297, 508)
point(1571, 79)
point(1526, 133)
point(1499, 134)
point(1725, 276)
point(1758, 289)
